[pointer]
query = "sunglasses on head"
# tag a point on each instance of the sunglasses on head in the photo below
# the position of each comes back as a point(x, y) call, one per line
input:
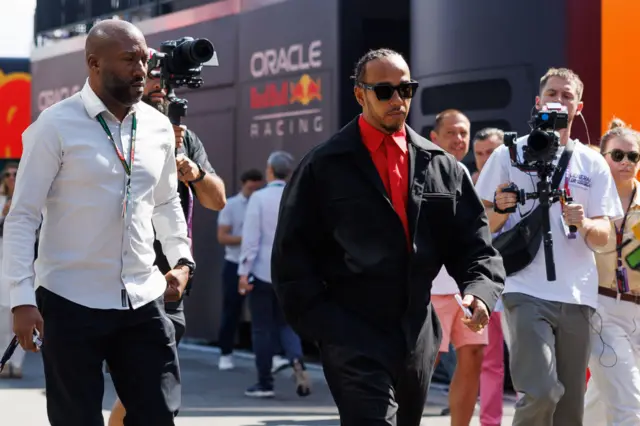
point(617, 155)
point(385, 91)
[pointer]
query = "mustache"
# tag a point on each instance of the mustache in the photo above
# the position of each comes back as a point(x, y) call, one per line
point(137, 80)
point(159, 92)
point(391, 111)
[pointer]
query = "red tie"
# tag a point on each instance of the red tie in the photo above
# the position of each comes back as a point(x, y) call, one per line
point(394, 162)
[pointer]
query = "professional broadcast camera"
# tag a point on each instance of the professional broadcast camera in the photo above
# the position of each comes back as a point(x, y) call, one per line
point(179, 63)
point(538, 156)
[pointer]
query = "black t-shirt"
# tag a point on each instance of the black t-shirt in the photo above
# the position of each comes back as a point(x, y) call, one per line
point(194, 150)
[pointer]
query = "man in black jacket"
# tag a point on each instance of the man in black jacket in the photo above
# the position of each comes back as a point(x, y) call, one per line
point(366, 222)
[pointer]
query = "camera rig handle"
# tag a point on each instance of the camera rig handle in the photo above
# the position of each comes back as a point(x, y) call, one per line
point(521, 197)
point(566, 199)
point(177, 108)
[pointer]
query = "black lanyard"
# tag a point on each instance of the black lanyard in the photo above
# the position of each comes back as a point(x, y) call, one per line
point(620, 232)
point(134, 125)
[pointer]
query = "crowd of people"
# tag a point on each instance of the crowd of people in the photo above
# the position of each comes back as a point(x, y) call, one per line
point(377, 246)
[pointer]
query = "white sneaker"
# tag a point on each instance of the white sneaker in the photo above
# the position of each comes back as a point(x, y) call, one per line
point(279, 363)
point(226, 362)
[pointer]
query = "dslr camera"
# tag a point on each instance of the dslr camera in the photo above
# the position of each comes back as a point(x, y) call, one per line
point(179, 63)
point(543, 141)
point(540, 151)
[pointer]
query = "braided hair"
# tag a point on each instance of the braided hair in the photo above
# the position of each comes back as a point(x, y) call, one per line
point(358, 73)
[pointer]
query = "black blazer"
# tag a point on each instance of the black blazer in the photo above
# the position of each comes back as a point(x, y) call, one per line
point(341, 265)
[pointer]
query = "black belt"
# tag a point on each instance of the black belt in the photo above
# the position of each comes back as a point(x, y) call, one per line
point(627, 297)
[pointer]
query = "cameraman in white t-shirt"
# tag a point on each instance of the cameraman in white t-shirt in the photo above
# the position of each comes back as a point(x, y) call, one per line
point(549, 321)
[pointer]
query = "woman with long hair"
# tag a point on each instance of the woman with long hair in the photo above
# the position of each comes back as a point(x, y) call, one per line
point(613, 393)
point(13, 369)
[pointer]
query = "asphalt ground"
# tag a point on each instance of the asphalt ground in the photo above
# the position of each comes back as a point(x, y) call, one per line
point(213, 397)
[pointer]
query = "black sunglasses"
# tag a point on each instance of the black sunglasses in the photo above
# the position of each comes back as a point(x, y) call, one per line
point(10, 174)
point(385, 91)
point(617, 155)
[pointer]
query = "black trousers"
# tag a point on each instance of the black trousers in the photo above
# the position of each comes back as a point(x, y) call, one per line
point(232, 302)
point(138, 345)
point(370, 393)
point(179, 322)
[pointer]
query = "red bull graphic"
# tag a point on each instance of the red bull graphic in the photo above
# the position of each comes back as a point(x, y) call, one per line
point(305, 92)
point(302, 91)
point(15, 112)
point(274, 95)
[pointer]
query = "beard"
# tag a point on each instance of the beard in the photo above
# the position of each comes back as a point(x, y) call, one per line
point(388, 127)
point(122, 90)
point(161, 105)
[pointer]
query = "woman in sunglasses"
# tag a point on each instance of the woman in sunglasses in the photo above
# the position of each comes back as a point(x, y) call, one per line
point(613, 393)
point(13, 369)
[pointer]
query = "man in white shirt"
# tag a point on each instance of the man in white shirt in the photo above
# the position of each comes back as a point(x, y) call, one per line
point(254, 271)
point(99, 170)
point(452, 133)
point(549, 321)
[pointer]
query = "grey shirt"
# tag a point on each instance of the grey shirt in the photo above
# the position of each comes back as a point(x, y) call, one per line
point(233, 215)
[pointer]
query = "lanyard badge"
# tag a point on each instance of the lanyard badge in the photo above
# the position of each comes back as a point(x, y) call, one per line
point(622, 281)
point(127, 167)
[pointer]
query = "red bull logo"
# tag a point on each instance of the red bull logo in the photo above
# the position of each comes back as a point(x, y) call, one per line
point(15, 112)
point(305, 90)
point(273, 95)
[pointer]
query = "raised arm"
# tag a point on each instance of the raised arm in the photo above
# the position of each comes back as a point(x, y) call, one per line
point(210, 190)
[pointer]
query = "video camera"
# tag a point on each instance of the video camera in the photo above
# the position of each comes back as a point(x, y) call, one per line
point(179, 63)
point(543, 141)
point(538, 156)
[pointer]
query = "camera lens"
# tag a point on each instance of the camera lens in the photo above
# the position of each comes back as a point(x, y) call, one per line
point(538, 141)
point(189, 54)
point(201, 50)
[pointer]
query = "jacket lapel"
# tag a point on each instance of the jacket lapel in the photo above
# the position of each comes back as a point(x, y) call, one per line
point(352, 140)
point(418, 162)
point(368, 168)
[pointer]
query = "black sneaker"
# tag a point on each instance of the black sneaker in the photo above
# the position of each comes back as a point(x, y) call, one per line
point(300, 376)
point(260, 391)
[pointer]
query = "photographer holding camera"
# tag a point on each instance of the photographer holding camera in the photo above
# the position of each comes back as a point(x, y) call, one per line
point(196, 179)
point(548, 319)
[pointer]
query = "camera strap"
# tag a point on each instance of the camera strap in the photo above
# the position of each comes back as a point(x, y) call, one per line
point(563, 163)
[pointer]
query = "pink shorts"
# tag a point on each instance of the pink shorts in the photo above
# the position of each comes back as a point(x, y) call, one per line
point(453, 329)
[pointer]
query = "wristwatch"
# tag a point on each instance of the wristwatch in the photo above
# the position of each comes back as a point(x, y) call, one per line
point(201, 175)
point(189, 264)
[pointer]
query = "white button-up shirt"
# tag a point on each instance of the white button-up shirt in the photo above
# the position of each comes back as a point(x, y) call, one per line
point(259, 230)
point(71, 179)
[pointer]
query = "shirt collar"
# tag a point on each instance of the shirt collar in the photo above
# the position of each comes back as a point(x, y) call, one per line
point(373, 137)
point(94, 105)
